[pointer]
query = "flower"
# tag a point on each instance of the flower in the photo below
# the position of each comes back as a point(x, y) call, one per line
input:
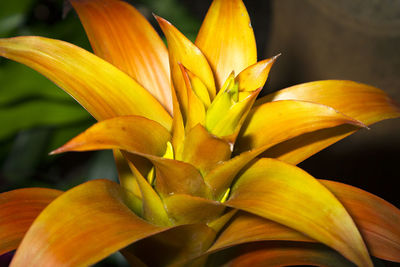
point(206, 170)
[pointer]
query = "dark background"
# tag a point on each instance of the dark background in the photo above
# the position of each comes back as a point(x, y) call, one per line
point(319, 39)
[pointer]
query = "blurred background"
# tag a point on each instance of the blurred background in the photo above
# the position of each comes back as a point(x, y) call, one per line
point(319, 39)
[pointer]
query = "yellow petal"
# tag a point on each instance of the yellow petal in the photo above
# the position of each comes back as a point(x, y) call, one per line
point(92, 215)
point(362, 102)
point(18, 209)
point(122, 36)
point(286, 194)
point(203, 150)
point(98, 86)
point(274, 122)
point(178, 127)
point(229, 109)
point(226, 38)
point(131, 133)
point(186, 209)
point(377, 219)
point(182, 51)
point(255, 76)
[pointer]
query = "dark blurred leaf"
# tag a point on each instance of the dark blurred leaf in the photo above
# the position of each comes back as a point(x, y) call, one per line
point(12, 15)
point(25, 155)
point(38, 113)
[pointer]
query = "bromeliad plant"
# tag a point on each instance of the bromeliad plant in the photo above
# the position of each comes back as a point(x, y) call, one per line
point(207, 172)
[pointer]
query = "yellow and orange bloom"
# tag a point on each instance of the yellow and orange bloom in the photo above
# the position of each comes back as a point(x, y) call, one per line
point(207, 172)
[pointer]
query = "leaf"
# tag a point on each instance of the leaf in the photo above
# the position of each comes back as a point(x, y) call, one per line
point(77, 72)
point(183, 51)
point(18, 209)
point(38, 113)
point(226, 38)
point(94, 215)
point(286, 194)
point(203, 150)
point(274, 122)
point(377, 219)
point(186, 209)
point(359, 101)
point(129, 42)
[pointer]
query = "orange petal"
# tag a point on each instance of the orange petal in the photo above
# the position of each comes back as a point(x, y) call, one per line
point(203, 150)
point(175, 247)
point(286, 254)
point(182, 50)
point(377, 219)
point(18, 209)
point(122, 36)
point(131, 133)
point(274, 122)
point(267, 125)
point(255, 76)
point(101, 88)
point(178, 177)
point(92, 215)
point(246, 228)
point(186, 209)
point(226, 38)
point(286, 194)
point(362, 102)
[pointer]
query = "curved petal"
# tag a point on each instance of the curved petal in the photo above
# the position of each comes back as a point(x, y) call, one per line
point(18, 209)
point(186, 209)
point(287, 254)
point(377, 219)
point(182, 50)
point(362, 102)
point(274, 122)
point(98, 86)
point(196, 112)
point(226, 38)
point(131, 133)
point(286, 194)
point(92, 215)
point(122, 36)
point(246, 228)
point(267, 125)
